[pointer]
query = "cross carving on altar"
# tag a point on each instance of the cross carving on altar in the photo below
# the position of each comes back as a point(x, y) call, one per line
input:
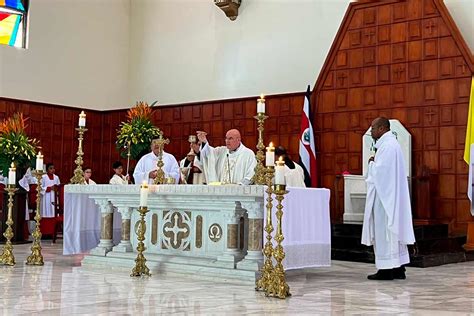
point(398, 71)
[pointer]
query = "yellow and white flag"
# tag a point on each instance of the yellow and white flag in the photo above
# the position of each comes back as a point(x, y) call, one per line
point(469, 144)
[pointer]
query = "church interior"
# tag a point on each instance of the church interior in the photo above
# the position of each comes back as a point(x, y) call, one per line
point(152, 150)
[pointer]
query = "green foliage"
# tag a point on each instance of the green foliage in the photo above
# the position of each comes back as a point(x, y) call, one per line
point(138, 132)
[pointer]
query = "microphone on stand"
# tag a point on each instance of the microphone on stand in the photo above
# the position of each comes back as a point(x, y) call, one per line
point(228, 167)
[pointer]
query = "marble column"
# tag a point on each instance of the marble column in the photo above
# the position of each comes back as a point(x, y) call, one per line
point(125, 244)
point(254, 258)
point(232, 253)
point(106, 228)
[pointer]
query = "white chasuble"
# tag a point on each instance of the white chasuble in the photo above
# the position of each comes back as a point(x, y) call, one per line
point(222, 165)
point(388, 222)
point(148, 163)
point(48, 195)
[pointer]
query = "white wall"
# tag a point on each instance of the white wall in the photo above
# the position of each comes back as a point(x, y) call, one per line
point(106, 54)
point(77, 55)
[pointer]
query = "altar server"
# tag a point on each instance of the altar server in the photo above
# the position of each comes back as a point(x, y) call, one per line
point(232, 163)
point(387, 220)
point(193, 168)
point(87, 176)
point(48, 181)
point(294, 174)
point(118, 177)
point(146, 167)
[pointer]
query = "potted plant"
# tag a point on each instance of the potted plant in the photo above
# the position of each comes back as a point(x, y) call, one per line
point(135, 135)
point(15, 145)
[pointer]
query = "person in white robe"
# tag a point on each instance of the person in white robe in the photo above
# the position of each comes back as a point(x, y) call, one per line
point(48, 181)
point(191, 169)
point(118, 178)
point(388, 222)
point(87, 176)
point(145, 170)
point(294, 174)
point(232, 163)
point(25, 183)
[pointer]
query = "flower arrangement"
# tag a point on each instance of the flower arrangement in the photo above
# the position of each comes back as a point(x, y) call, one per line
point(135, 135)
point(15, 146)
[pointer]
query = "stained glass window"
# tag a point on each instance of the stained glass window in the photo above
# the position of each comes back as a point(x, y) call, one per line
point(13, 22)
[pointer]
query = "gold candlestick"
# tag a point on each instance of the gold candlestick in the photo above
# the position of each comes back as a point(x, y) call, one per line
point(278, 286)
point(259, 176)
point(78, 177)
point(36, 258)
point(140, 262)
point(267, 269)
point(160, 174)
point(7, 257)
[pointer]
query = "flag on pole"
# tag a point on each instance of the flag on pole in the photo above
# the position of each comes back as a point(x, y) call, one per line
point(469, 144)
point(307, 152)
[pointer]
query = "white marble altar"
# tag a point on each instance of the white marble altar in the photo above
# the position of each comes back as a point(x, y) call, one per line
point(212, 231)
point(355, 189)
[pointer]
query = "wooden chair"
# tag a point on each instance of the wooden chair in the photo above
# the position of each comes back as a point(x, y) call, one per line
point(59, 210)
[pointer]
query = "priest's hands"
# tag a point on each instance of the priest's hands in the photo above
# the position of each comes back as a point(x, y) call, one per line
point(201, 137)
point(152, 174)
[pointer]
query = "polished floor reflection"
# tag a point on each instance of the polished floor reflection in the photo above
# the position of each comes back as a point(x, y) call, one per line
point(62, 287)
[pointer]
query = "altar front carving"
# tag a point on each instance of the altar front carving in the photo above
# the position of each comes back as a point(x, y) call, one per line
point(210, 230)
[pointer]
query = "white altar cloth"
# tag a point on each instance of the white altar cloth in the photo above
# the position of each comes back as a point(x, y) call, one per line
point(82, 220)
point(306, 227)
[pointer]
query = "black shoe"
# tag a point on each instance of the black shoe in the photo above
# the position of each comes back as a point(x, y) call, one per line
point(399, 273)
point(383, 274)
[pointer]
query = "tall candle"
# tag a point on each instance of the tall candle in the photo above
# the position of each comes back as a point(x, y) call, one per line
point(270, 156)
point(261, 104)
point(280, 172)
point(39, 162)
point(82, 119)
point(12, 175)
point(144, 194)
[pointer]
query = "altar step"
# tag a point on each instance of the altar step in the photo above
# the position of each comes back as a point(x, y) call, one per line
point(433, 247)
point(193, 267)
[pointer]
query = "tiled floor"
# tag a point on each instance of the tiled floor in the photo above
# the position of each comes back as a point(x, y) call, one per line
point(61, 286)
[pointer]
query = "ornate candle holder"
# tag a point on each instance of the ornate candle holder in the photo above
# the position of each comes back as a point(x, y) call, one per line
point(7, 257)
point(266, 271)
point(36, 258)
point(78, 177)
point(259, 176)
point(160, 174)
point(278, 286)
point(140, 268)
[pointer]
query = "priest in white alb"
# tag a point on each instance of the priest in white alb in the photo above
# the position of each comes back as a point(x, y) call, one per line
point(232, 163)
point(388, 223)
point(146, 168)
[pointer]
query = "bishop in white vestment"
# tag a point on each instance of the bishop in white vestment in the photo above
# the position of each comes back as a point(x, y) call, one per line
point(232, 163)
point(48, 181)
point(145, 170)
point(388, 222)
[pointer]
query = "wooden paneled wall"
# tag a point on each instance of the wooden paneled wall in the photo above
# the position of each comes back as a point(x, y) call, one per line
point(55, 126)
point(404, 60)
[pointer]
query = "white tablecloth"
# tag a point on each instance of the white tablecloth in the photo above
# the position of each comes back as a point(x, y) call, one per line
point(82, 220)
point(306, 228)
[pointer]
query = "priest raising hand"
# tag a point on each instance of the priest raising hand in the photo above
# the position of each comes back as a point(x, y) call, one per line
point(387, 220)
point(232, 163)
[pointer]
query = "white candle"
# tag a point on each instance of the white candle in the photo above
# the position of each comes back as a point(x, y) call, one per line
point(261, 104)
point(144, 194)
point(270, 156)
point(12, 175)
point(82, 119)
point(39, 162)
point(280, 172)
